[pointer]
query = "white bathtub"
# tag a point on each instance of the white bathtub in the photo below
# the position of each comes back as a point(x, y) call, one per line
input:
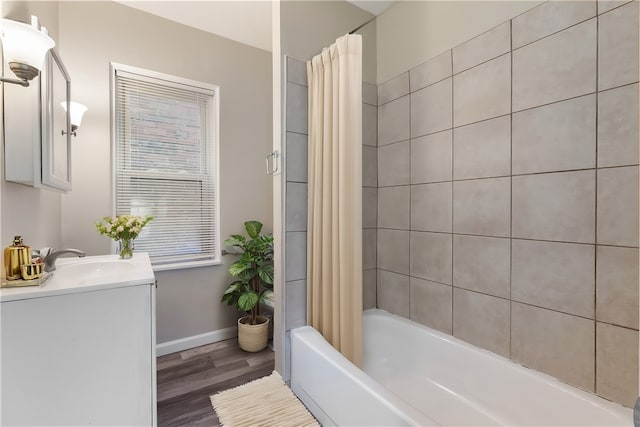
point(431, 378)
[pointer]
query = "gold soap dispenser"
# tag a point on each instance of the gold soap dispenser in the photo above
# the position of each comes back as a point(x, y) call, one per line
point(15, 256)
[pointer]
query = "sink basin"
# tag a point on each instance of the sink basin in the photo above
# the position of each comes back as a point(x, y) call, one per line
point(89, 273)
point(92, 270)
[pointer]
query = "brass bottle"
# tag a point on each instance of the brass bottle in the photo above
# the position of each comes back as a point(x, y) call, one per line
point(15, 256)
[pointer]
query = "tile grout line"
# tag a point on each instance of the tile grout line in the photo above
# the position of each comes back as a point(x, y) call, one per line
point(558, 31)
point(410, 191)
point(525, 239)
point(377, 305)
point(377, 148)
point(452, 184)
point(595, 222)
point(571, 98)
point(478, 292)
point(511, 192)
point(482, 178)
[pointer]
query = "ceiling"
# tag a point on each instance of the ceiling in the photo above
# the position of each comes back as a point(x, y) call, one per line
point(373, 6)
point(245, 21)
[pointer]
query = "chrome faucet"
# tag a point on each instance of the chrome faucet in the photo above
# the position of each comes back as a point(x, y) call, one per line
point(52, 255)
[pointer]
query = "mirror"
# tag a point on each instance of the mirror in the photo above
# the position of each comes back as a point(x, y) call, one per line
point(56, 124)
point(37, 130)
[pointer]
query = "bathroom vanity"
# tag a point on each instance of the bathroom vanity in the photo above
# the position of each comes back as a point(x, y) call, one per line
point(80, 350)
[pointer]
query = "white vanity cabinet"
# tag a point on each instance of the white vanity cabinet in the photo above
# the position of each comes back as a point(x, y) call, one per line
point(83, 355)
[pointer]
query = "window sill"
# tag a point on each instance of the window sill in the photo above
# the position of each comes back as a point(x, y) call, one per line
point(184, 265)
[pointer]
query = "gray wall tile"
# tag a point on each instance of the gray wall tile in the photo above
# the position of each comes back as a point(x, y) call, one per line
point(369, 248)
point(558, 276)
point(606, 5)
point(618, 206)
point(618, 47)
point(431, 109)
point(431, 304)
point(431, 256)
point(296, 304)
point(296, 253)
point(393, 250)
point(431, 158)
point(369, 125)
point(369, 166)
point(393, 293)
point(482, 149)
point(369, 280)
point(296, 207)
point(556, 137)
point(430, 72)
point(431, 206)
point(394, 88)
point(296, 71)
point(482, 206)
point(393, 121)
point(482, 264)
point(369, 207)
point(548, 18)
point(297, 106)
point(393, 207)
point(481, 320)
point(617, 286)
point(393, 164)
point(489, 45)
point(369, 93)
point(555, 206)
point(296, 157)
point(617, 364)
point(558, 67)
point(555, 343)
point(554, 294)
point(618, 126)
point(483, 92)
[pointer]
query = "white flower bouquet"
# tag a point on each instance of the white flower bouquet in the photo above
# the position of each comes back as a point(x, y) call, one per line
point(123, 229)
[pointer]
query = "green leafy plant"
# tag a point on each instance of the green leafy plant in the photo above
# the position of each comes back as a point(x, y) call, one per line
point(253, 271)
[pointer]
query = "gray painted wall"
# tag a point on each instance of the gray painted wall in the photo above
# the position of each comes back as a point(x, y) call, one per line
point(35, 214)
point(95, 33)
point(308, 26)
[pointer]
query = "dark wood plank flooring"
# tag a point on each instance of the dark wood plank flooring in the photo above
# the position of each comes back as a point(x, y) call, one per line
point(186, 380)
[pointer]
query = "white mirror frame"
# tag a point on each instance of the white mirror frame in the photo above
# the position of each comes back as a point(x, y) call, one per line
point(50, 128)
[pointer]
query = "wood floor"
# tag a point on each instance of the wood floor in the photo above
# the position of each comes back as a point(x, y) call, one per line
point(186, 380)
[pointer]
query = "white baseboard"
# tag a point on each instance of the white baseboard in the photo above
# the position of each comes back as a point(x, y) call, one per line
point(195, 341)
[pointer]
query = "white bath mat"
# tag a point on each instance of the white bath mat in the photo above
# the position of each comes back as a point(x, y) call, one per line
point(266, 401)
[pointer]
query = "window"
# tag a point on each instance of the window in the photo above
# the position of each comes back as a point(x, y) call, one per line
point(165, 143)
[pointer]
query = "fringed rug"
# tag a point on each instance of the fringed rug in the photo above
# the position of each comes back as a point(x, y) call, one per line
point(266, 401)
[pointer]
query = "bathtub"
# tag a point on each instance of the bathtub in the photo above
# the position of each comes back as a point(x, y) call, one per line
point(414, 375)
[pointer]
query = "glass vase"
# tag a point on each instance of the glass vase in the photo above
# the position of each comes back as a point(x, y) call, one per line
point(125, 248)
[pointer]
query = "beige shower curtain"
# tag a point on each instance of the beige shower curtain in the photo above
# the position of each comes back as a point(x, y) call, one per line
point(334, 238)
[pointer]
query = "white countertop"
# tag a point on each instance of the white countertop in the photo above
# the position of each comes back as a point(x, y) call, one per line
point(91, 273)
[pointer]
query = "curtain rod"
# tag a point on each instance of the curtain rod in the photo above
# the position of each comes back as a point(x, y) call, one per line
point(359, 27)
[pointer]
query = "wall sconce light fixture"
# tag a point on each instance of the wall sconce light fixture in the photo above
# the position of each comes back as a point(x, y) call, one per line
point(76, 113)
point(25, 48)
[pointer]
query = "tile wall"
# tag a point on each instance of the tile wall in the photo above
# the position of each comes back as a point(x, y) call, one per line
point(508, 193)
point(369, 193)
point(295, 157)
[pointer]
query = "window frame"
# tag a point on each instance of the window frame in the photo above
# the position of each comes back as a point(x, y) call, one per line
point(214, 163)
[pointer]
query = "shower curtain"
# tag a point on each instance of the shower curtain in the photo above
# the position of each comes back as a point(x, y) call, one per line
point(334, 235)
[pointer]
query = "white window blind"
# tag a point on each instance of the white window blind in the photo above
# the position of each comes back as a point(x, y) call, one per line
point(165, 158)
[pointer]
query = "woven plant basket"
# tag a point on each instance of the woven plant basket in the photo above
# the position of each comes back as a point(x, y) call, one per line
point(253, 338)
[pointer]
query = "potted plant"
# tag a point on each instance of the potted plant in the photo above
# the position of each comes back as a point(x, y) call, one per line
point(254, 282)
